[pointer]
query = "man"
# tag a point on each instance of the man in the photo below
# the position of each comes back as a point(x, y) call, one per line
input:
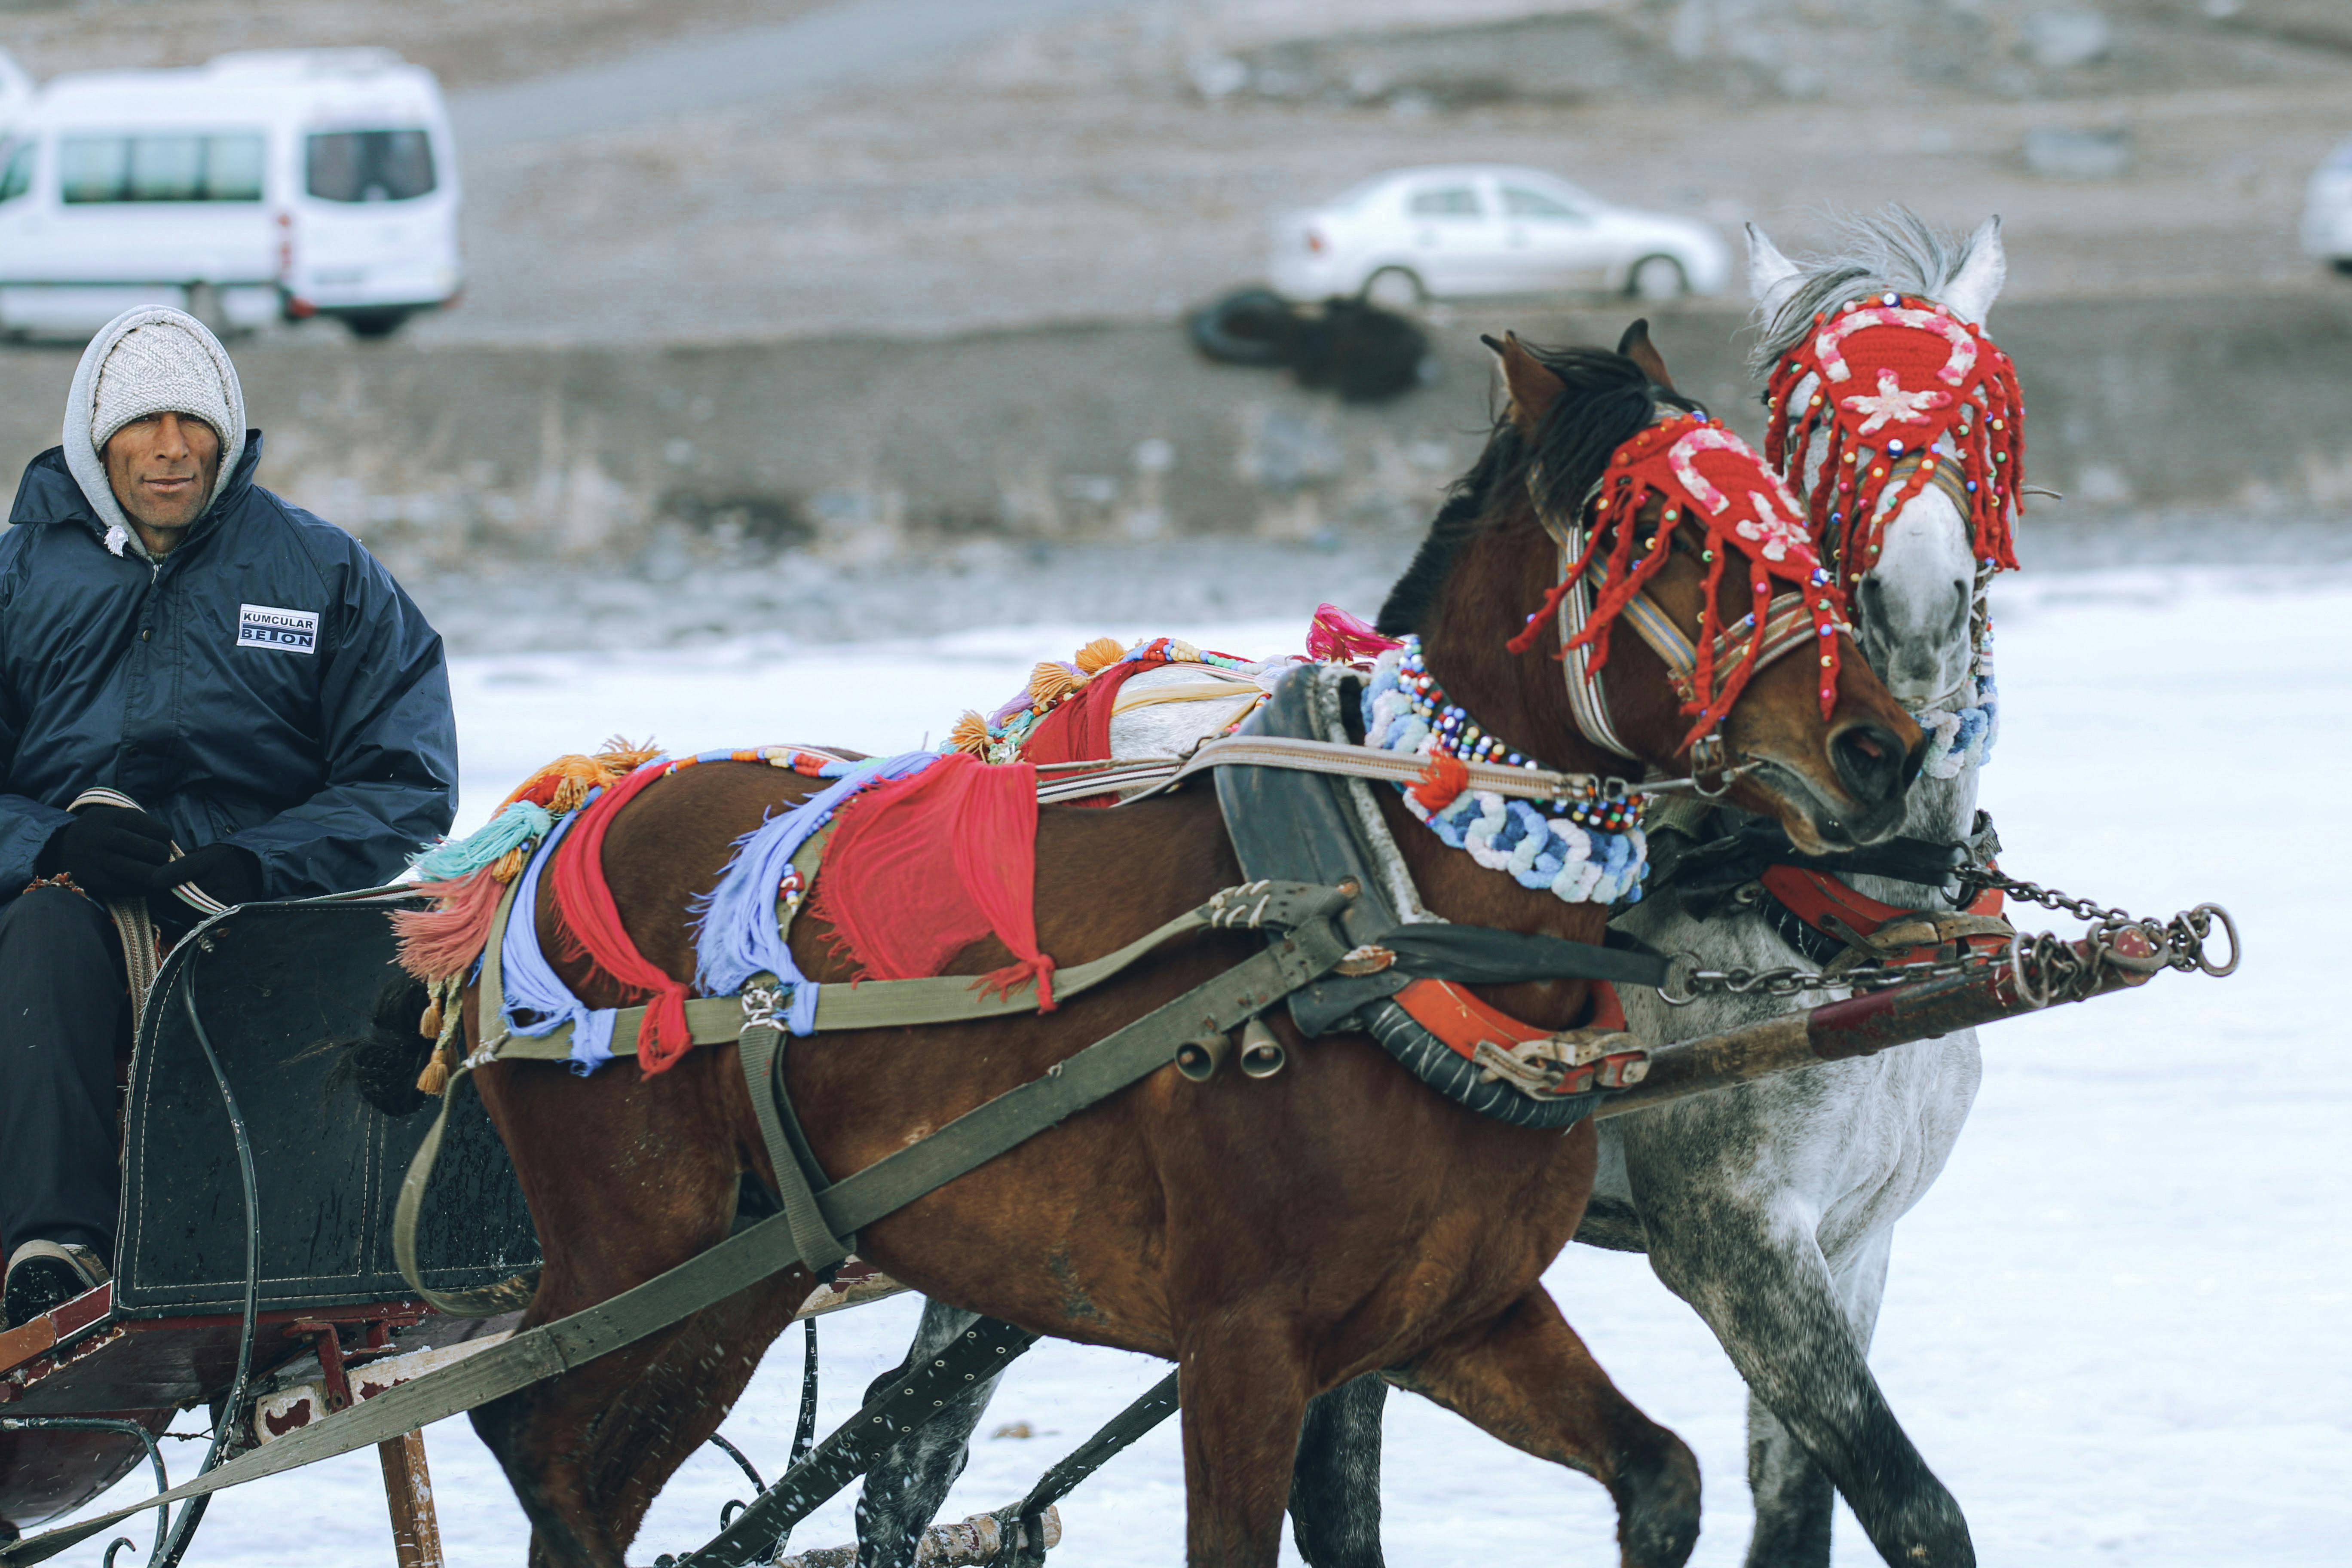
point(267, 711)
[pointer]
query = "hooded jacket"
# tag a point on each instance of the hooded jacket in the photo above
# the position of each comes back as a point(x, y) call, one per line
point(267, 682)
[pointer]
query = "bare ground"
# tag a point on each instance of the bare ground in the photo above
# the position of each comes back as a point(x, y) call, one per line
point(1083, 174)
point(467, 43)
point(1112, 169)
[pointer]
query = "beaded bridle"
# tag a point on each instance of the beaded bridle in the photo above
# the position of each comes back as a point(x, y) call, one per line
point(1707, 674)
point(1902, 394)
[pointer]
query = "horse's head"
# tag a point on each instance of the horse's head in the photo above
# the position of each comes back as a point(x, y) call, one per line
point(1900, 420)
point(1604, 502)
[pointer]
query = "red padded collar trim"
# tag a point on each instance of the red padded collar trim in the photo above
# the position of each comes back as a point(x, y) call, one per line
point(1815, 896)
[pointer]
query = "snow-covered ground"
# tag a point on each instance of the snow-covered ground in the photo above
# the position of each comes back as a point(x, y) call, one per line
point(2113, 1327)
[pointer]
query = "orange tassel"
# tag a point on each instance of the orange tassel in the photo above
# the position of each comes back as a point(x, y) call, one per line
point(1446, 778)
point(1099, 654)
point(1050, 682)
point(969, 735)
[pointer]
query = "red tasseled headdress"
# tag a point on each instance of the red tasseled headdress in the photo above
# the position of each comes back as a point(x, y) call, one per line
point(1895, 375)
point(1711, 480)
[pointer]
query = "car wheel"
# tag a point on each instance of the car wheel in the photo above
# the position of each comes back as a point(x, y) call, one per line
point(375, 323)
point(2344, 265)
point(1657, 278)
point(1394, 288)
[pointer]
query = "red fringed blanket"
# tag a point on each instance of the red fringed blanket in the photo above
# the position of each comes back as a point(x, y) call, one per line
point(919, 869)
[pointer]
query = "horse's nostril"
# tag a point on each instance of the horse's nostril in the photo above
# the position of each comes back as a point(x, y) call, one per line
point(1870, 761)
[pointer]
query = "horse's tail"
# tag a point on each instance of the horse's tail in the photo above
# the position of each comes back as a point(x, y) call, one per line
point(383, 1063)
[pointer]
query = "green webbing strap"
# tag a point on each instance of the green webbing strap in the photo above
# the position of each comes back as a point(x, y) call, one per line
point(507, 1295)
point(1102, 1069)
point(818, 1247)
point(868, 1004)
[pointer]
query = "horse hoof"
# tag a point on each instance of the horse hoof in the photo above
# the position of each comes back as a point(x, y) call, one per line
point(1657, 1506)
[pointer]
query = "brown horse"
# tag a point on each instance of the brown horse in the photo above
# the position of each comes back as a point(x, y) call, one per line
point(1274, 1237)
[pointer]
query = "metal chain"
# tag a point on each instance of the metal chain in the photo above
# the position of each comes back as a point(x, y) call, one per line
point(2046, 968)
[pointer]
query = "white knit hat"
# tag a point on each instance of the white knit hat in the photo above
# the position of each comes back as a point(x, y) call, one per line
point(149, 360)
point(156, 368)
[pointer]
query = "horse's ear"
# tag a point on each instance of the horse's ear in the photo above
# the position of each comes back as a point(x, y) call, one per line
point(1978, 283)
point(1636, 345)
point(1533, 386)
point(1771, 277)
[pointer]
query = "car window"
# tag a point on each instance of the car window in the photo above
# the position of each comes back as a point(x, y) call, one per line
point(158, 168)
point(16, 177)
point(369, 166)
point(1521, 203)
point(1446, 201)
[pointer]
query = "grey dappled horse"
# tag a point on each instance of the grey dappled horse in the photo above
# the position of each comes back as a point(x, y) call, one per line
point(1769, 1207)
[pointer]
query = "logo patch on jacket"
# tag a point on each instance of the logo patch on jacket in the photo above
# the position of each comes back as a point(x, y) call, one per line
point(287, 631)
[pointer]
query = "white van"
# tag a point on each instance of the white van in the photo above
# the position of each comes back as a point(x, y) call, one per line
point(266, 184)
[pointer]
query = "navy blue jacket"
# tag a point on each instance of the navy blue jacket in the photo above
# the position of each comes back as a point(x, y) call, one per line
point(267, 682)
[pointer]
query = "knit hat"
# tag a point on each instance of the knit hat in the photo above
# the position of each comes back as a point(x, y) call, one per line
point(149, 360)
point(158, 368)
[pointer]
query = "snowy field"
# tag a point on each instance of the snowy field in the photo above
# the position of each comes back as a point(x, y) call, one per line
point(2113, 1327)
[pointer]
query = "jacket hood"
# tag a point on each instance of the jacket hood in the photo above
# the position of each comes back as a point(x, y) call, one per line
point(83, 457)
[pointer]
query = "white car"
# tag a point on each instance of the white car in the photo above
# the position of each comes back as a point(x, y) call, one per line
point(2327, 210)
point(293, 182)
point(1484, 228)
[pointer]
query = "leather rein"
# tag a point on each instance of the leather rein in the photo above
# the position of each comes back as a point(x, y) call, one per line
point(1788, 627)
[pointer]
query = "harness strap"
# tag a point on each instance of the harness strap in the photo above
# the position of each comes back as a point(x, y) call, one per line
point(141, 948)
point(1855, 921)
point(762, 1047)
point(891, 1004)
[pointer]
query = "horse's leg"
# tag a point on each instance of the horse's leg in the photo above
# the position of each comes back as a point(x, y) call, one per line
point(1526, 1378)
point(1795, 1503)
point(1243, 1394)
point(1335, 1488)
point(1760, 1280)
point(907, 1485)
point(587, 1452)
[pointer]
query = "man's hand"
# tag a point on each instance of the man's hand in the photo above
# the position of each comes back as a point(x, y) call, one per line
point(112, 852)
point(229, 872)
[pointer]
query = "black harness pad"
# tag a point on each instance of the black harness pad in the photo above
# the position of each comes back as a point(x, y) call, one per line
point(1293, 825)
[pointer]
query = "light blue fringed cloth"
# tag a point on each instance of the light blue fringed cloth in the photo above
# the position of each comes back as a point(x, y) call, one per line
point(536, 1002)
point(738, 935)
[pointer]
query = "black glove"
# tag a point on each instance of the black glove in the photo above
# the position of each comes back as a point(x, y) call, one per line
point(229, 872)
point(112, 852)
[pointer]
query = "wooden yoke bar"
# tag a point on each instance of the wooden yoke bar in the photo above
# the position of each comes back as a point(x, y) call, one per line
point(1860, 1025)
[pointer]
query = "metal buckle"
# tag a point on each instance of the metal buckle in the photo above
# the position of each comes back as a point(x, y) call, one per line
point(763, 1005)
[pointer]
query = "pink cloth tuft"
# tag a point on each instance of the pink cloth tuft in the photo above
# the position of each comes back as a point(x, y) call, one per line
point(447, 938)
point(1337, 637)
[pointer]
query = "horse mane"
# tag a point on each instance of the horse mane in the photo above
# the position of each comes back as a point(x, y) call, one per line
point(1608, 400)
point(1896, 250)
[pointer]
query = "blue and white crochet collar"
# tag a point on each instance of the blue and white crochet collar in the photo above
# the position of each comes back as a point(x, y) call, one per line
point(1576, 864)
point(1962, 736)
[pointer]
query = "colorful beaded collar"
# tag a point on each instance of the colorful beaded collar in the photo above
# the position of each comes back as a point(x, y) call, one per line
point(1581, 850)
